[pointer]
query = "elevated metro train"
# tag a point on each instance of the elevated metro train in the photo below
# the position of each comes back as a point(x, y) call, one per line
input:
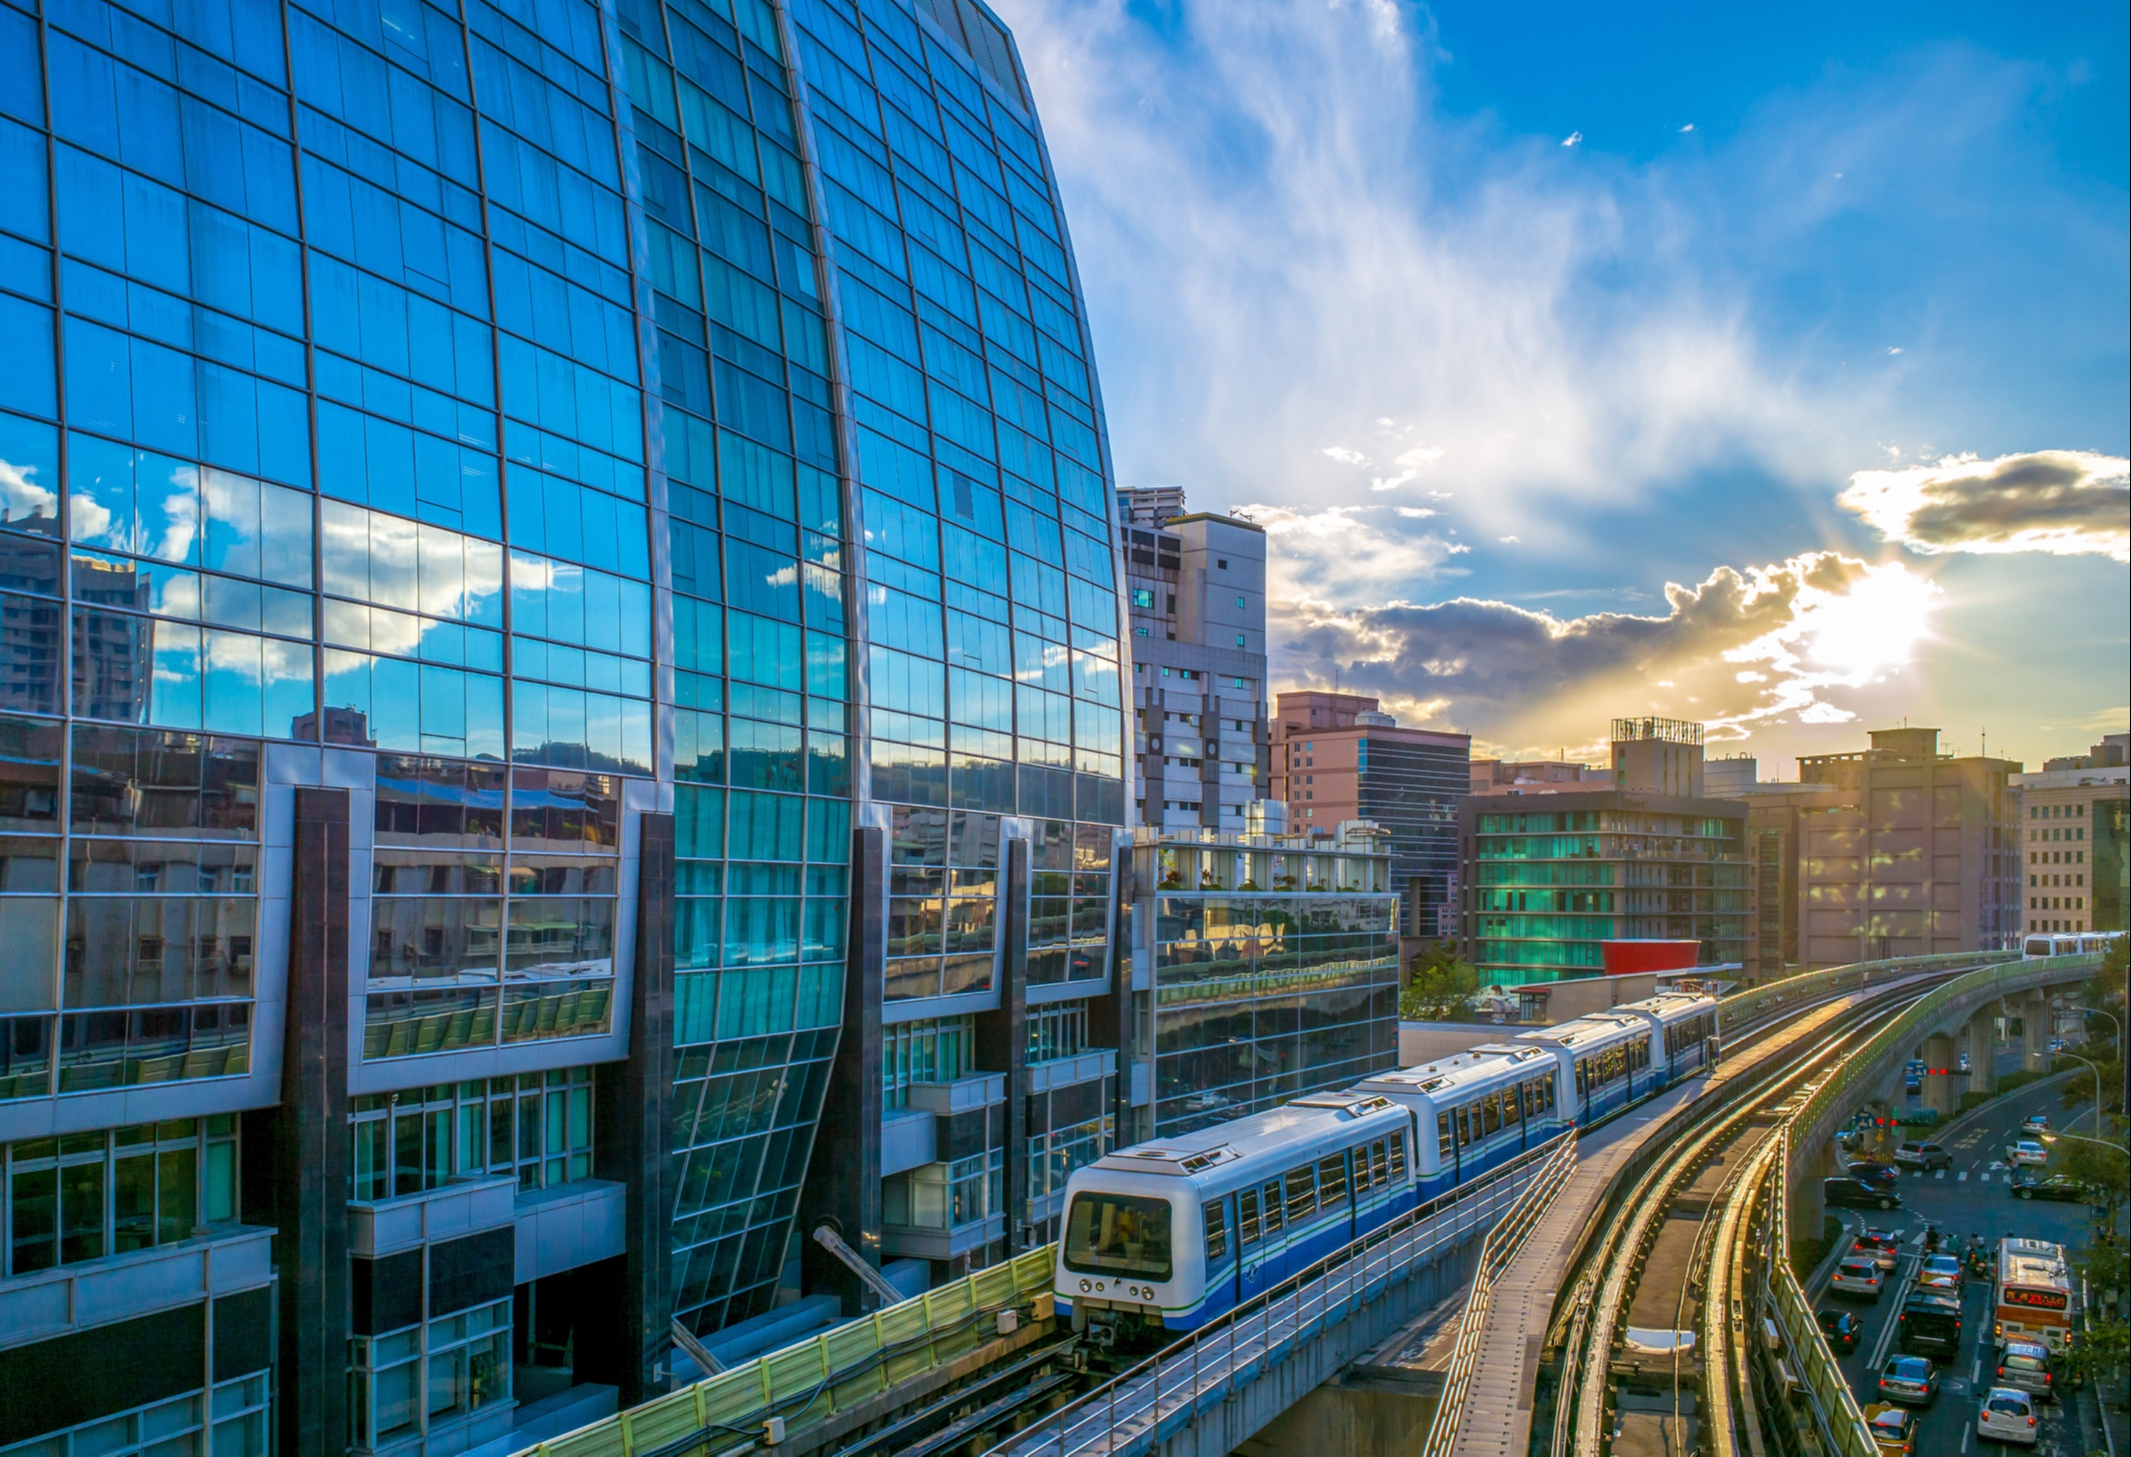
point(1165, 1236)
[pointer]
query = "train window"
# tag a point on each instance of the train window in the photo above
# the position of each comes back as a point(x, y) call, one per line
point(1247, 1215)
point(1443, 1138)
point(1332, 1180)
point(1273, 1217)
point(1376, 1156)
point(1118, 1234)
point(1490, 1113)
point(1361, 1170)
point(1301, 1194)
point(1464, 1134)
point(1216, 1231)
point(1549, 1084)
point(1398, 1156)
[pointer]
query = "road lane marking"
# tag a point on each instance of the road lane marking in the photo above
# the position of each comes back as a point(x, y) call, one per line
point(1940, 1174)
point(1962, 1177)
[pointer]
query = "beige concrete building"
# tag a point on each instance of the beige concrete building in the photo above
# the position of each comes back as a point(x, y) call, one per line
point(2072, 818)
point(1916, 852)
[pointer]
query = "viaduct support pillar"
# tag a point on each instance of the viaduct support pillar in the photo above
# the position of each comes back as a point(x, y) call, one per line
point(1942, 1080)
point(2035, 1019)
point(1980, 1037)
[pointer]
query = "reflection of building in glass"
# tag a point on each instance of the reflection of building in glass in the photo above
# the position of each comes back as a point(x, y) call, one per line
point(478, 575)
point(1273, 970)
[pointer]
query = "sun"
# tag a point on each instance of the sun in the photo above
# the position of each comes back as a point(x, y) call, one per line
point(1874, 624)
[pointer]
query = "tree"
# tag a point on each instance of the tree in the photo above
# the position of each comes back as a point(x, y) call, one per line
point(1441, 986)
point(2104, 1169)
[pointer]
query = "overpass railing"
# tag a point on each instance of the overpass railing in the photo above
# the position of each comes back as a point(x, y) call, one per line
point(1866, 1063)
point(812, 1381)
point(1807, 986)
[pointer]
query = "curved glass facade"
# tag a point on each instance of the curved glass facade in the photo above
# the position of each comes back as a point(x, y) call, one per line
point(572, 409)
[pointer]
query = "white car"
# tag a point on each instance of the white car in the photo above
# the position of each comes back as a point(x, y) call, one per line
point(2026, 1151)
point(1858, 1275)
point(2007, 1415)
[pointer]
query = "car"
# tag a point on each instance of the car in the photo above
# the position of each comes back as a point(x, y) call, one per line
point(1842, 1330)
point(2007, 1414)
point(1873, 1173)
point(2037, 1123)
point(2061, 1187)
point(1884, 1247)
point(1893, 1429)
point(2026, 1151)
point(1857, 1194)
point(2028, 1366)
point(1925, 1156)
point(1857, 1275)
point(1949, 1265)
point(1909, 1378)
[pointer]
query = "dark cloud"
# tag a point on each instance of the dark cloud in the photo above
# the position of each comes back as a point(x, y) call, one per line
point(2061, 501)
point(1482, 663)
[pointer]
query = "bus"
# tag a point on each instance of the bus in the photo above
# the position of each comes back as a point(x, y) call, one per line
point(2032, 1296)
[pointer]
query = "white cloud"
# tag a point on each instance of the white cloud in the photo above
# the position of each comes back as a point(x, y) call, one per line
point(1572, 139)
point(1686, 129)
point(1345, 456)
point(1286, 245)
point(2064, 502)
point(1509, 540)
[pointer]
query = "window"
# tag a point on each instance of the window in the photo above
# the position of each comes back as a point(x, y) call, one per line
point(1381, 1160)
point(1332, 1180)
point(1216, 1231)
point(427, 1375)
point(82, 1196)
point(1301, 1194)
point(1274, 1217)
point(1221, 562)
point(1143, 597)
point(1240, 602)
point(1247, 1215)
point(1239, 639)
point(536, 1127)
point(1398, 1156)
point(1118, 1234)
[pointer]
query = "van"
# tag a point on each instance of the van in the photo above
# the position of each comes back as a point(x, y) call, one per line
point(1930, 1325)
point(2028, 1366)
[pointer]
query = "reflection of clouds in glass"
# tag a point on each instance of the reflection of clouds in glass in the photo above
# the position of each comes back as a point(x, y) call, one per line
point(181, 516)
point(396, 632)
point(92, 519)
point(23, 497)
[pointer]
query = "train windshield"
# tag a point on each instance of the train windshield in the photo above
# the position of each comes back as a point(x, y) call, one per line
point(1117, 1234)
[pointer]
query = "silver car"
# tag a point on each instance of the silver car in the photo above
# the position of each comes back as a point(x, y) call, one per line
point(2027, 1366)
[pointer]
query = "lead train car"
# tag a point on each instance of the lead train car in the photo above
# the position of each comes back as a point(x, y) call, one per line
point(1168, 1235)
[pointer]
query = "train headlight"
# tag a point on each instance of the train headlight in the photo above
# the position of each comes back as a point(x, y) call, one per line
point(1085, 1287)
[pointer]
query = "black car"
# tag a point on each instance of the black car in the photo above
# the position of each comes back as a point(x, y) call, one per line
point(1873, 1173)
point(1842, 1330)
point(2061, 1187)
point(1859, 1194)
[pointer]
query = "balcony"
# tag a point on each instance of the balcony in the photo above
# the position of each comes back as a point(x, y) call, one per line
point(460, 1207)
point(1065, 1072)
point(963, 1095)
point(71, 1298)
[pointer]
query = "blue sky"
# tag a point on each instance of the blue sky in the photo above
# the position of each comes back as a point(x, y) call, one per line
point(1588, 360)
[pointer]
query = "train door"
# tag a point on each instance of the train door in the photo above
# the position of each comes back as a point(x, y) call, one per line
point(1263, 1261)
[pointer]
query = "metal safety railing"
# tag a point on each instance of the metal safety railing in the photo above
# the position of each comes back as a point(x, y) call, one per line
point(1211, 1363)
point(1503, 1243)
point(1755, 1002)
point(810, 1382)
